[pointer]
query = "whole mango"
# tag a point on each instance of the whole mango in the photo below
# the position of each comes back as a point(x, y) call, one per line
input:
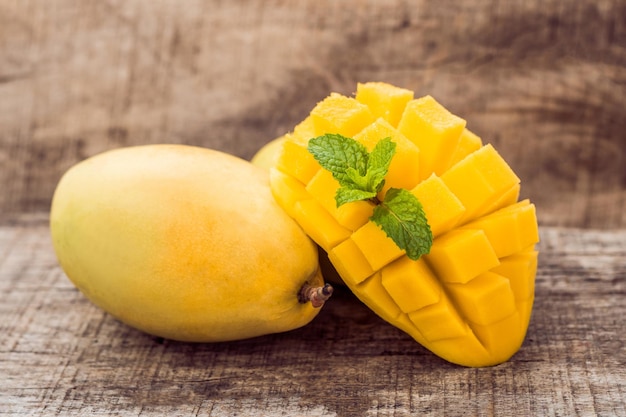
point(184, 243)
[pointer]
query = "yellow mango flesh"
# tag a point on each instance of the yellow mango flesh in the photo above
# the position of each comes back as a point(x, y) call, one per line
point(434, 130)
point(340, 114)
point(384, 100)
point(468, 143)
point(470, 299)
point(404, 169)
point(443, 209)
point(351, 215)
point(183, 243)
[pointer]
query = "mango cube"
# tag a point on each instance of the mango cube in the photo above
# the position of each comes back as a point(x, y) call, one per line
point(377, 247)
point(502, 336)
point(350, 262)
point(412, 284)
point(319, 224)
point(460, 255)
point(520, 269)
point(340, 114)
point(304, 131)
point(297, 161)
point(486, 299)
point(372, 292)
point(434, 130)
point(480, 180)
point(439, 321)
point(507, 198)
point(509, 230)
point(469, 142)
point(384, 100)
point(287, 190)
point(524, 309)
point(443, 209)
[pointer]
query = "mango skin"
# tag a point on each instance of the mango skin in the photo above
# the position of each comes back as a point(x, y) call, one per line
point(268, 154)
point(266, 158)
point(184, 243)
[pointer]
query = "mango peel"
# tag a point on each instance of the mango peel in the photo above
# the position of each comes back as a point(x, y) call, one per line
point(185, 243)
point(470, 299)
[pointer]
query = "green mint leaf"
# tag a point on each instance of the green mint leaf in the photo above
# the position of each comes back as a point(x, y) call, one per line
point(348, 195)
point(355, 180)
point(378, 162)
point(338, 154)
point(402, 218)
point(361, 175)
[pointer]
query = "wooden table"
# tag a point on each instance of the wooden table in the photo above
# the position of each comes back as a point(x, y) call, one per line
point(61, 355)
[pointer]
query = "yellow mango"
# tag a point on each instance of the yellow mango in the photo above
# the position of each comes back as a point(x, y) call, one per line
point(297, 161)
point(287, 190)
point(304, 131)
point(267, 156)
point(411, 284)
point(480, 180)
point(350, 215)
point(439, 321)
point(524, 309)
point(468, 142)
point(377, 247)
point(184, 243)
point(319, 224)
point(520, 270)
point(340, 114)
point(502, 336)
point(372, 293)
point(485, 299)
point(350, 262)
point(510, 229)
point(434, 130)
point(507, 198)
point(460, 255)
point(470, 299)
point(404, 168)
point(443, 209)
point(384, 100)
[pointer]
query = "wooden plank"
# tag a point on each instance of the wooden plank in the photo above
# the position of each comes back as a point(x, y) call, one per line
point(543, 81)
point(60, 355)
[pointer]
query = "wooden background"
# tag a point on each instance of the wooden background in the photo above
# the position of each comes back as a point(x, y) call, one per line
point(543, 80)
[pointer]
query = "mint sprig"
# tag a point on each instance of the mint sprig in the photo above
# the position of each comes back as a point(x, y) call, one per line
point(402, 217)
point(361, 176)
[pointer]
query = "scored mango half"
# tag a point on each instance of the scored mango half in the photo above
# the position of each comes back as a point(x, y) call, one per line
point(470, 299)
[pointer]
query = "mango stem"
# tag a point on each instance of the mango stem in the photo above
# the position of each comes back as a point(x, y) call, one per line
point(316, 295)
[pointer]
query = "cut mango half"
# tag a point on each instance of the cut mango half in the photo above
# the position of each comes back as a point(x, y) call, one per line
point(470, 299)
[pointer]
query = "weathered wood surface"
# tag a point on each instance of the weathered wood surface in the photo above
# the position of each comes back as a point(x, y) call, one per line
point(61, 355)
point(545, 81)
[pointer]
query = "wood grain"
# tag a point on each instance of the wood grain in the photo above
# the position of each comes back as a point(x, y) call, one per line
point(61, 355)
point(545, 81)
